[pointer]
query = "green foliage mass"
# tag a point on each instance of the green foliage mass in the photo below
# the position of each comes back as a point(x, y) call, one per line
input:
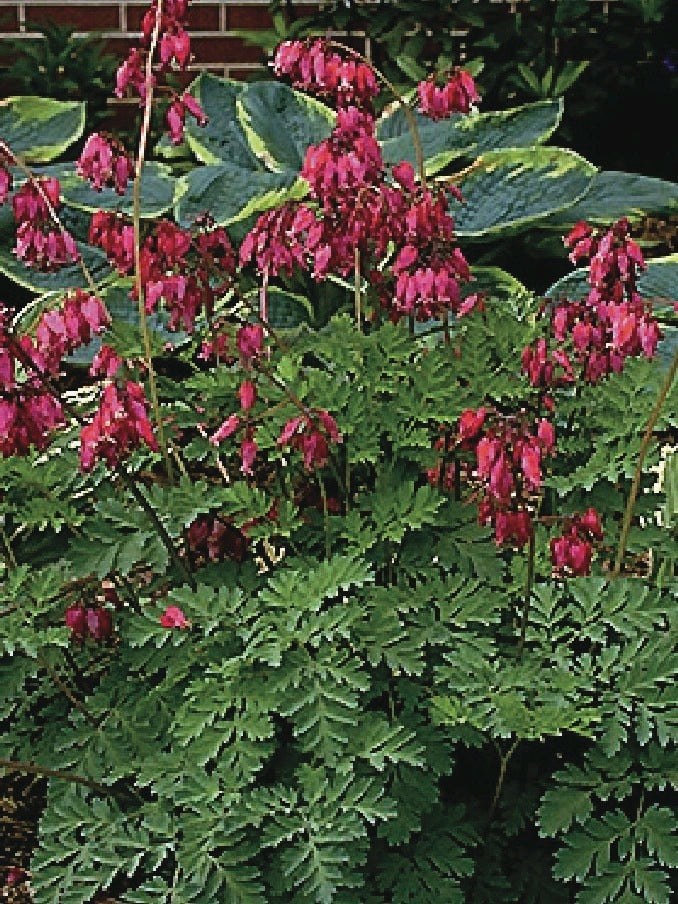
point(368, 707)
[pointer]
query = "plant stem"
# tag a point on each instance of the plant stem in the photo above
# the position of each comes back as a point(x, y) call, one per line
point(326, 517)
point(528, 596)
point(356, 286)
point(35, 769)
point(136, 223)
point(263, 297)
point(7, 549)
point(446, 328)
point(412, 122)
point(68, 693)
point(347, 479)
point(504, 760)
point(159, 527)
point(637, 476)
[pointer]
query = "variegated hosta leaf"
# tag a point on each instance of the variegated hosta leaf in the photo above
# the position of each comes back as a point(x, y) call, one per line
point(507, 191)
point(467, 136)
point(39, 129)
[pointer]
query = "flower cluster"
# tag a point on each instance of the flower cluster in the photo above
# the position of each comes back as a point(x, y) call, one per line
point(187, 271)
point(456, 96)
point(610, 325)
point(310, 433)
point(217, 348)
point(248, 342)
point(175, 53)
point(27, 419)
point(508, 455)
point(248, 445)
point(61, 330)
point(346, 162)
point(94, 623)
point(120, 424)
point(281, 239)
point(28, 412)
point(105, 162)
point(428, 267)
point(315, 68)
point(215, 540)
point(114, 234)
point(359, 209)
point(571, 553)
point(40, 242)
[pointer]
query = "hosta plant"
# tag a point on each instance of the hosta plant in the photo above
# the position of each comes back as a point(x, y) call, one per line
point(364, 593)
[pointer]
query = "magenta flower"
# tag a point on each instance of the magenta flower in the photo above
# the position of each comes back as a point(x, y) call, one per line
point(173, 617)
point(5, 183)
point(119, 426)
point(104, 162)
point(250, 342)
point(315, 68)
point(571, 553)
point(247, 394)
point(228, 428)
point(248, 453)
point(310, 434)
point(456, 96)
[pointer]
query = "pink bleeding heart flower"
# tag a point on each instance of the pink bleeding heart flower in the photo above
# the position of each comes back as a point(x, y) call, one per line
point(173, 617)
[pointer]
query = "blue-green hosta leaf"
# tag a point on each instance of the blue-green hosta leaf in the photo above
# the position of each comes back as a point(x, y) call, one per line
point(229, 192)
point(281, 123)
point(157, 191)
point(467, 136)
point(507, 191)
point(69, 277)
point(287, 310)
point(613, 195)
point(39, 128)
point(223, 138)
point(658, 281)
point(497, 283)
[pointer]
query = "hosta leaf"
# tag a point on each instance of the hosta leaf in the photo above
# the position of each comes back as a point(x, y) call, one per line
point(39, 128)
point(223, 138)
point(230, 192)
point(286, 310)
point(613, 195)
point(497, 283)
point(467, 136)
point(508, 190)
point(157, 192)
point(281, 123)
point(69, 277)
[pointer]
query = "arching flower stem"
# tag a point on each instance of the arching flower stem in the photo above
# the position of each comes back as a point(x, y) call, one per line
point(136, 224)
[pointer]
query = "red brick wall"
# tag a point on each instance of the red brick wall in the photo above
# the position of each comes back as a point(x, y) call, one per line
point(212, 26)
